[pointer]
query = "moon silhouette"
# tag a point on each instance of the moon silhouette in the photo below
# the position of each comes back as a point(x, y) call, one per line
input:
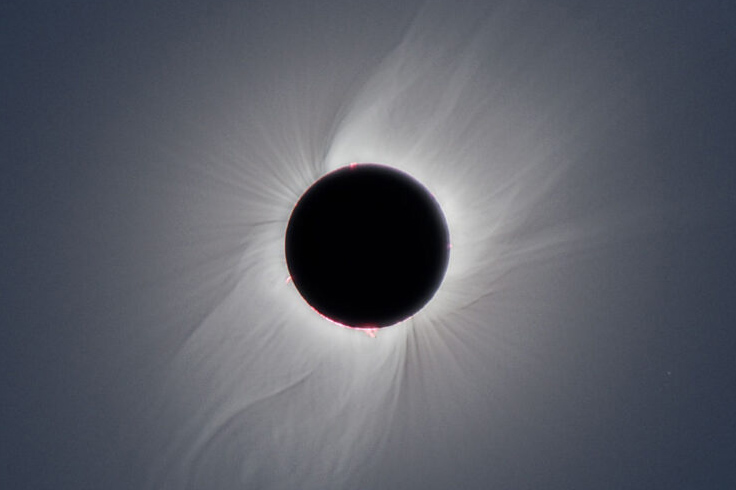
point(367, 246)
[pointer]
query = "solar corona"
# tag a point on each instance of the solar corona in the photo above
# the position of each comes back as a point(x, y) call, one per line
point(367, 246)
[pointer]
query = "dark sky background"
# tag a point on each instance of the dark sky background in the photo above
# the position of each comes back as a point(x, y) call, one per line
point(150, 150)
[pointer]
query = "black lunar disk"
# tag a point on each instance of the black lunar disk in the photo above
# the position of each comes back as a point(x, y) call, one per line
point(367, 246)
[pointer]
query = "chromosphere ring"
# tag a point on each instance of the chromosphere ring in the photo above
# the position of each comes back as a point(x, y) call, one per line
point(367, 246)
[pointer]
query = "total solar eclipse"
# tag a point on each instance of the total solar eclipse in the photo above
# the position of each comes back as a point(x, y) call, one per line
point(367, 246)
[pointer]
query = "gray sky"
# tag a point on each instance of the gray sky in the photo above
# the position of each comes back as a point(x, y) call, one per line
point(583, 153)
